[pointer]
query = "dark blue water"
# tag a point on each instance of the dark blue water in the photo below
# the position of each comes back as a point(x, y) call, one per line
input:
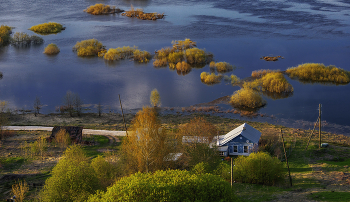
point(238, 32)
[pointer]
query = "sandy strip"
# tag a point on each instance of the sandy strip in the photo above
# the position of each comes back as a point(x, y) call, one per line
point(85, 131)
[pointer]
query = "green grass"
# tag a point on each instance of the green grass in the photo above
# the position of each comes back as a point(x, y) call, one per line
point(330, 196)
point(11, 163)
point(261, 193)
point(102, 142)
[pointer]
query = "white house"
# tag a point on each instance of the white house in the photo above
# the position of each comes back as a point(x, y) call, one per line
point(239, 141)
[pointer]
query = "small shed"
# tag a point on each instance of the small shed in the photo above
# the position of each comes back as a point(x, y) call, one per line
point(240, 141)
point(75, 132)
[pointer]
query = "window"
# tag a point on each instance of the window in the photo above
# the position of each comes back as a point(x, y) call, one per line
point(245, 148)
point(235, 149)
point(222, 153)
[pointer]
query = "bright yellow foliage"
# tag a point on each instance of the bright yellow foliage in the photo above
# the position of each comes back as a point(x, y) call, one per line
point(195, 56)
point(261, 72)
point(98, 9)
point(208, 78)
point(221, 67)
point(247, 98)
point(315, 72)
point(141, 56)
point(175, 57)
point(89, 47)
point(183, 67)
point(234, 79)
point(160, 62)
point(155, 98)
point(119, 53)
point(183, 45)
point(275, 82)
point(51, 49)
point(4, 35)
point(45, 28)
point(163, 53)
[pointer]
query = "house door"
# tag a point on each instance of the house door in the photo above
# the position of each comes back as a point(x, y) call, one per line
point(230, 148)
point(240, 148)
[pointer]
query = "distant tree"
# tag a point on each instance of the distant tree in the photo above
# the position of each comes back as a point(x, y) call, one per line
point(68, 101)
point(155, 98)
point(72, 179)
point(147, 146)
point(99, 108)
point(37, 105)
point(78, 104)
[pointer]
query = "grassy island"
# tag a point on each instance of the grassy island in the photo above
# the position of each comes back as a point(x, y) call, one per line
point(102, 9)
point(47, 28)
point(247, 98)
point(90, 47)
point(51, 49)
point(210, 79)
point(5, 32)
point(138, 13)
point(221, 67)
point(125, 52)
point(315, 72)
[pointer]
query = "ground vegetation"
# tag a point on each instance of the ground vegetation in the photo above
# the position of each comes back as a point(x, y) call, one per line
point(47, 28)
point(90, 47)
point(51, 49)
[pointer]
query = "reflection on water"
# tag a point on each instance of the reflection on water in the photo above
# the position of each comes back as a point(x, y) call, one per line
point(238, 32)
point(275, 96)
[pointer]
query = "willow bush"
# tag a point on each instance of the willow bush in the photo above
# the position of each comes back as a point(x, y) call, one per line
point(90, 47)
point(98, 9)
point(47, 28)
point(275, 82)
point(183, 67)
point(170, 185)
point(247, 98)
point(261, 72)
point(221, 67)
point(258, 168)
point(23, 39)
point(212, 78)
point(183, 45)
point(141, 56)
point(175, 57)
point(195, 56)
point(234, 79)
point(5, 32)
point(315, 72)
point(51, 49)
point(160, 62)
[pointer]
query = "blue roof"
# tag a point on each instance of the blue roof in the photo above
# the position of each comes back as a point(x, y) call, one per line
point(245, 130)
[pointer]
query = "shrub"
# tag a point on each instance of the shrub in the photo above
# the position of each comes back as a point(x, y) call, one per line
point(5, 32)
point(223, 170)
point(72, 179)
point(201, 168)
point(21, 38)
point(89, 47)
point(275, 82)
point(261, 72)
point(120, 53)
point(234, 79)
point(175, 57)
point(160, 62)
point(247, 98)
point(208, 78)
point(314, 72)
point(221, 67)
point(183, 67)
point(258, 168)
point(155, 98)
point(183, 45)
point(105, 172)
point(170, 185)
point(141, 56)
point(212, 64)
point(62, 138)
point(163, 53)
point(51, 49)
point(19, 190)
point(195, 56)
point(47, 28)
point(98, 9)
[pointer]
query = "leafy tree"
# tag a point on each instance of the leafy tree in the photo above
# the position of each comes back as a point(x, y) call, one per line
point(105, 171)
point(155, 98)
point(258, 168)
point(5, 32)
point(147, 146)
point(73, 178)
point(170, 185)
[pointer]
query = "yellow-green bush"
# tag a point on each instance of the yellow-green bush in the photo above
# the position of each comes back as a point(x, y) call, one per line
point(195, 56)
point(258, 168)
point(169, 185)
point(247, 98)
point(98, 9)
point(120, 53)
point(51, 49)
point(275, 82)
point(141, 56)
point(160, 62)
point(221, 67)
point(234, 79)
point(175, 57)
point(89, 47)
point(183, 67)
point(5, 32)
point(163, 53)
point(261, 72)
point(183, 45)
point(46, 28)
point(315, 72)
point(208, 78)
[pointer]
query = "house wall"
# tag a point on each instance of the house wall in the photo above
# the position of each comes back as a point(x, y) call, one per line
point(240, 143)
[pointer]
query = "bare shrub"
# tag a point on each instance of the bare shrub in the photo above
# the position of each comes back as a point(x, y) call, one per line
point(19, 190)
point(62, 138)
point(51, 49)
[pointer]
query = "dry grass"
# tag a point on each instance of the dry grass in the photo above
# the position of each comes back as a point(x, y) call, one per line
point(51, 49)
point(210, 79)
point(261, 72)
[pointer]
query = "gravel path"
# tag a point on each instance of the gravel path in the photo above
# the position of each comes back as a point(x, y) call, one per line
point(85, 131)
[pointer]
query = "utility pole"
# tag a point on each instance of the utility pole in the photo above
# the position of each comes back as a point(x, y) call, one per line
point(319, 123)
point(231, 172)
point(120, 101)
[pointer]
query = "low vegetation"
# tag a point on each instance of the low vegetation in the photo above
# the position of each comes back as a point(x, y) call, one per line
point(261, 72)
point(90, 47)
point(275, 82)
point(210, 78)
point(247, 98)
point(183, 67)
point(315, 72)
point(221, 67)
point(141, 56)
point(234, 79)
point(47, 28)
point(138, 13)
point(23, 39)
point(51, 49)
point(5, 37)
point(125, 52)
point(102, 9)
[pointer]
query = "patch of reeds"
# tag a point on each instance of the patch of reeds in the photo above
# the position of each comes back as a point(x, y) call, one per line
point(23, 39)
point(221, 67)
point(316, 72)
point(90, 47)
point(47, 28)
point(5, 32)
point(247, 98)
point(210, 78)
point(261, 72)
point(51, 49)
point(138, 13)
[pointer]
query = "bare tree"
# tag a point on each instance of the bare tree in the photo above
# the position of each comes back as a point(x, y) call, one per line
point(37, 105)
point(68, 101)
point(99, 108)
point(77, 104)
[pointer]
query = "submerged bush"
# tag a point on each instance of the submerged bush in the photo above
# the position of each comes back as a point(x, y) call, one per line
point(261, 72)
point(160, 62)
point(170, 185)
point(208, 78)
point(5, 32)
point(47, 28)
point(221, 67)
point(175, 57)
point(315, 72)
point(195, 56)
point(183, 45)
point(247, 98)
point(234, 79)
point(90, 47)
point(275, 82)
point(258, 168)
point(98, 9)
point(23, 39)
point(51, 49)
point(141, 56)
point(183, 67)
